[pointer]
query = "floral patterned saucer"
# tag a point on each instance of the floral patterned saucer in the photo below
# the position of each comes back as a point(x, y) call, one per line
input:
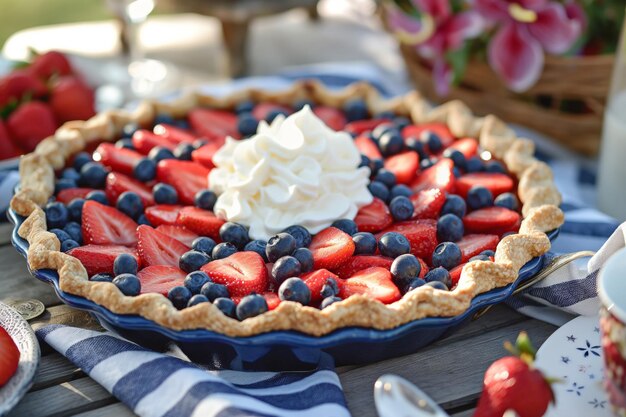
point(574, 355)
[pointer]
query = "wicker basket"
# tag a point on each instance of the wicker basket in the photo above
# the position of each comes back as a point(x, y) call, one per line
point(582, 81)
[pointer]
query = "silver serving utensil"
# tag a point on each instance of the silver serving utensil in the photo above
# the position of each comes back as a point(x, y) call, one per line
point(396, 397)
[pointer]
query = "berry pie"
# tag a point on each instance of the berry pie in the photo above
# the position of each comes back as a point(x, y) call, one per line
point(306, 210)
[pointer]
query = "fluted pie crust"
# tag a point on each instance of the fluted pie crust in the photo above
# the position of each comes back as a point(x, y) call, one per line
point(536, 190)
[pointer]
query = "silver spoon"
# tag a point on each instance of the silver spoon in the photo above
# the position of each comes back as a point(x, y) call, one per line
point(396, 397)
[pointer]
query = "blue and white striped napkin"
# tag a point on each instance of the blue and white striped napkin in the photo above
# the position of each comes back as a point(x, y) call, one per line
point(161, 385)
point(8, 179)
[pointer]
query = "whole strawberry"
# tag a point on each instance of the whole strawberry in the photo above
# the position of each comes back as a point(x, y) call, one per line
point(50, 63)
point(511, 383)
point(9, 357)
point(30, 123)
point(71, 99)
point(18, 84)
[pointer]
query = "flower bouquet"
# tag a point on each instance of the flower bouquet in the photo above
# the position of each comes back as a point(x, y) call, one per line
point(542, 63)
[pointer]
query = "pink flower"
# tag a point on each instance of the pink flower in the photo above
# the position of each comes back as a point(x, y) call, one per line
point(525, 29)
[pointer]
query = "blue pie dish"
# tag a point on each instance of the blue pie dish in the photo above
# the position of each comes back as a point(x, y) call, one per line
point(280, 350)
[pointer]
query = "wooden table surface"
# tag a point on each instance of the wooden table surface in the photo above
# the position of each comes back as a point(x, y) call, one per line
point(449, 370)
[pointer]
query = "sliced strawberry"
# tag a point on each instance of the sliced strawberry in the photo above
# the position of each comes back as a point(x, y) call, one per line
point(494, 220)
point(214, 124)
point(331, 116)
point(467, 146)
point(203, 222)
point(185, 176)
point(374, 282)
point(316, 280)
point(144, 141)
point(496, 182)
point(10, 358)
point(173, 133)
point(272, 300)
point(362, 126)
point(472, 245)
point(440, 129)
point(455, 274)
point(105, 225)
point(331, 248)
point(98, 259)
point(163, 214)
point(367, 147)
point(404, 165)
point(118, 159)
point(156, 248)
point(160, 278)
point(360, 262)
point(428, 203)
point(439, 176)
point(204, 154)
point(262, 110)
point(424, 269)
point(117, 183)
point(180, 233)
point(422, 235)
point(69, 194)
point(242, 273)
point(374, 217)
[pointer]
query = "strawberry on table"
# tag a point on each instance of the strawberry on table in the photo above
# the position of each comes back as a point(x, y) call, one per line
point(160, 278)
point(105, 225)
point(316, 280)
point(7, 148)
point(50, 63)
point(333, 117)
point(374, 282)
point(117, 183)
point(439, 176)
point(30, 123)
point(421, 234)
point(19, 84)
point(360, 262)
point(163, 214)
point(186, 177)
point(202, 222)
point(492, 220)
point(473, 244)
point(495, 182)
point(98, 259)
point(117, 159)
point(374, 217)
point(331, 248)
point(156, 248)
point(404, 166)
point(72, 99)
point(180, 233)
point(10, 357)
point(428, 203)
point(242, 273)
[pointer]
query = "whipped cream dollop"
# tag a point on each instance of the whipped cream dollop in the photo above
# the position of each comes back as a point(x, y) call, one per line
point(295, 171)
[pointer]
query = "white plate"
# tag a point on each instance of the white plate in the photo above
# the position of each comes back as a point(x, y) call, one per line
point(574, 355)
point(24, 338)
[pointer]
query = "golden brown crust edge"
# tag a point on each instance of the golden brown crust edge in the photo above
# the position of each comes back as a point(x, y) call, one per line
point(536, 190)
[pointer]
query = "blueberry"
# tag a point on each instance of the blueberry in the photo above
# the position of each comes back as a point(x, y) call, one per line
point(257, 246)
point(80, 160)
point(235, 234)
point(195, 280)
point(393, 244)
point(125, 143)
point(383, 128)
point(193, 260)
point(438, 285)
point(245, 106)
point(387, 114)
point(299, 105)
point(129, 129)
point(99, 196)
point(75, 231)
point(93, 175)
point(416, 146)
point(70, 174)
point(197, 299)
point(203, 244)
point(415, 283)
point(164, 118)
point(449, 228)
point(364, 243)
point(365, 161)
point(479, 258)
point(125, 263)
point(488, 252)
point(64, 184)
point(457, 158)
point(474, 164)
point(142, 219)
point(227, 306)
point(179, 296)
point(145, 170)
point(507, 200)
point(432, 141)
point(294, 289)
point(284, 268)
point(355, 109)
point(479, 197)
point(60, 234)
point(439, 274)
point(305, 257)
point(273, 114)
point(223, 250)
point(346, 225)
point(379, 190)
point(75, 209)
point(101, 278)
point(391, 143)
point(454, 204)
point(400, 190)
point(495, 166)
point(328, 301)
point(456, 172)
point(301, 234)
point(183, 151)
point(376, 165)
point(159, 153)
point(205, 199)
point(401, 208)
point(250, 306)
point(128, 284)
point(212, 291)
point(404, 269)
point(401, 122)
point(56, 215)
point(447, 255)
point(283, 244)
point(330, 288)
point(68, 245)
point(386, 177)
point(130, 204)
point(427, 163)
point(247, 124)
point(164, 194)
